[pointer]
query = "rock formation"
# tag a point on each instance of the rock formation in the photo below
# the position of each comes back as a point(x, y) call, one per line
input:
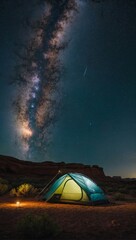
point(13, 168)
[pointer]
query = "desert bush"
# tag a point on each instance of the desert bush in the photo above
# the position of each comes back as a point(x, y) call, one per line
point(109, 189)
point(24, 190)
point(13, 192)
point(3, 188)
point(3, 181)
point(123, 190)
point(132, 192)
point(132, 187)
point(37, 227)
point(119, 196)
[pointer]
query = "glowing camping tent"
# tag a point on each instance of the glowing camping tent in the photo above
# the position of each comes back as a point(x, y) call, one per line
point(75, 187)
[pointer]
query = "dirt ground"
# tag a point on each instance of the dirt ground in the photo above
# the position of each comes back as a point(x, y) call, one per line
point(112, 222)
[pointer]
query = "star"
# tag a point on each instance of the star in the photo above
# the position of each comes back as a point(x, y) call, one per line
point(33, 95)
point(32, 105)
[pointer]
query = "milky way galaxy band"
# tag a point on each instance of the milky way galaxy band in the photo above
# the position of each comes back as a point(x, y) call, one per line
point(38, 76)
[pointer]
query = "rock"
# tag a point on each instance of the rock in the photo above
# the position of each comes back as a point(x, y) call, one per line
point(12, 167)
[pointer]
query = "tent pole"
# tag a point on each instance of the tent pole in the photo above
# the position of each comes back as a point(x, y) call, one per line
point(48, 184)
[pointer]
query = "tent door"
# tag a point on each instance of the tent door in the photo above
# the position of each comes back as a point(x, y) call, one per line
point(71, 191)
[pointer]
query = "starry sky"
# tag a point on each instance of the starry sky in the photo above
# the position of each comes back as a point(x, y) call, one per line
point(68, 82)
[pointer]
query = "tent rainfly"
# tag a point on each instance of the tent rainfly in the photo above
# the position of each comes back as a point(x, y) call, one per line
point(75, 188)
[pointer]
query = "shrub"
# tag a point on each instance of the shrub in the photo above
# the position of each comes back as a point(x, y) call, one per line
point(3, 188)
point(37, 227)
point(3, 181)
point(109, 189)
point(119, 196)
point(123, 189)
point(24, 190)
point(132, 192)
point(14, 192)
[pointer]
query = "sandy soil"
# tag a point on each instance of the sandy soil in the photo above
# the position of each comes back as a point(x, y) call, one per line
point(113, 222)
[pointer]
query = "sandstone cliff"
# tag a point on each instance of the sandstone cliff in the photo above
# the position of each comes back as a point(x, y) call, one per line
point(13, 168)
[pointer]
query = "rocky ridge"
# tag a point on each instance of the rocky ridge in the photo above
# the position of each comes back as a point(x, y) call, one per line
point(13, 167)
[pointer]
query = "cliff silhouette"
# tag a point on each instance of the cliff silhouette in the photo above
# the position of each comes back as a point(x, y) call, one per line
point(11, 167)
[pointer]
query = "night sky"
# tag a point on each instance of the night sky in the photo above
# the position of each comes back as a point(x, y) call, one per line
point(68, 82)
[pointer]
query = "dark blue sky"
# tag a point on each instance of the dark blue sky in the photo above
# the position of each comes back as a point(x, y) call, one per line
point(97, 121)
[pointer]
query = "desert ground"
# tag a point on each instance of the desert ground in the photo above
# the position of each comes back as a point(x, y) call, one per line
point(111, 222)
